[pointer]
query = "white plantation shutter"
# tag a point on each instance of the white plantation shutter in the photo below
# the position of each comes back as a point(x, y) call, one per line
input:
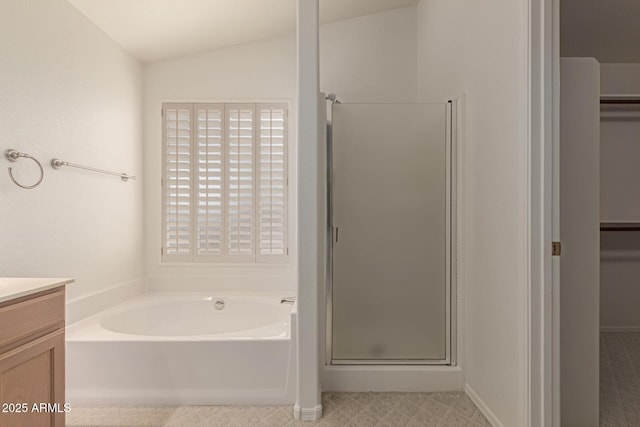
point(177, 216)
point(272, 182)
point(209, 155)
point(240, 181)
point(225, 182)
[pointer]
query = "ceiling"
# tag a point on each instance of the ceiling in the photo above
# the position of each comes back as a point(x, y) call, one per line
point(152, 30)
point(608, 30)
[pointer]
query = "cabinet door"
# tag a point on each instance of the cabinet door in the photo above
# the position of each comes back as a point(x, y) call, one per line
point(33, 374)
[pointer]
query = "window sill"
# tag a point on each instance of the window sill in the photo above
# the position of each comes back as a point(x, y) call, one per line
point(225, 264)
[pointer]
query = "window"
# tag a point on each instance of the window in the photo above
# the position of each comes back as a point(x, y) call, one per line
point(224, 183)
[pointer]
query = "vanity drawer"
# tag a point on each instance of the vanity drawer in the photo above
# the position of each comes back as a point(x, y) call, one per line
point(34, 314)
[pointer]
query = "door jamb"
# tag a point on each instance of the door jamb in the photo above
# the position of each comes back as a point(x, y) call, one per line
point(542, 382)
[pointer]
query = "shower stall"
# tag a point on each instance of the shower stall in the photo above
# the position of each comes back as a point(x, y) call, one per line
point(391, 230)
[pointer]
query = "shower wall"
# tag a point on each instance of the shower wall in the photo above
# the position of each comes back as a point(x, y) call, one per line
point(68, 91)
point(351, 66)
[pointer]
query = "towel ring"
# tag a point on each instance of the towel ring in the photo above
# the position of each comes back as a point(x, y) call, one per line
point(13, 156)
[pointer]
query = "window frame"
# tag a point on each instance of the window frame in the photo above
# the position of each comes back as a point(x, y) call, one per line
point(225, 258)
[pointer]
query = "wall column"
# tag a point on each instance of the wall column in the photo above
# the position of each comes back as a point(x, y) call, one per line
point(308, 397)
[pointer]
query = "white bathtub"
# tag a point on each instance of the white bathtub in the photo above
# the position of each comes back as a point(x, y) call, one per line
point(184, 348)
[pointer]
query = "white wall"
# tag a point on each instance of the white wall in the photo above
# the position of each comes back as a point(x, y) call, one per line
point(68, 91)
point(479, 49)
point(308, 404)
point(619, 281)
point(259, 71)
point(620, 256)
point(620, 79)
point(365, 59)
point(371, 58)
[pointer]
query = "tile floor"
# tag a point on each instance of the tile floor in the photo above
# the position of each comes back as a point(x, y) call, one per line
point(339, 409)
point(619, 379)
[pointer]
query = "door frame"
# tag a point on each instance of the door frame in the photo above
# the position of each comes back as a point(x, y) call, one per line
point(542, 382)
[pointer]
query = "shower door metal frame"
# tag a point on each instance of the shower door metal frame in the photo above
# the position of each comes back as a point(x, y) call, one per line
point(451, 133)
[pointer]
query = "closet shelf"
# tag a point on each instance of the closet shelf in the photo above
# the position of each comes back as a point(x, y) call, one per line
point(620, 99)
point(620, 226)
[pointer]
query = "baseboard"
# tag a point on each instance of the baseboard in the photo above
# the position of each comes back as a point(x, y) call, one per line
point(392, 378)
point(87, 305)
point(489, 415)
point(619, 328)
point(307, 414)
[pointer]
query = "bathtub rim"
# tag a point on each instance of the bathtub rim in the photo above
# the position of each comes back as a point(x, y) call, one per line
point(89, 329)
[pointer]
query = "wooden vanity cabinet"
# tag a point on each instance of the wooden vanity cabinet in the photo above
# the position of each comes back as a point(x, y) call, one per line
point(32, 360)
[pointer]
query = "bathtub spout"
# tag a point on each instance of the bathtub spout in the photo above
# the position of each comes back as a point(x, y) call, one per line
point(289, 300)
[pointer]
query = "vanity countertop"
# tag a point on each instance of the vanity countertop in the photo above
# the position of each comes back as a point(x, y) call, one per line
point(16, 287)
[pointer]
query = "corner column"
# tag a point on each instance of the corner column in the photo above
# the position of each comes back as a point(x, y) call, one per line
point(308, 395)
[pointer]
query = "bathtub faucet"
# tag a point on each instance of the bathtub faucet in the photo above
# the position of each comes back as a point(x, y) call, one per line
point(289, 300)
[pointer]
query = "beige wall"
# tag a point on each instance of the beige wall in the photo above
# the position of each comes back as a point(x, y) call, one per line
point(68, 91)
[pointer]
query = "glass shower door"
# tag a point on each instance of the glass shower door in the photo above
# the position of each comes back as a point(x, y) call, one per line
point(391, 207)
